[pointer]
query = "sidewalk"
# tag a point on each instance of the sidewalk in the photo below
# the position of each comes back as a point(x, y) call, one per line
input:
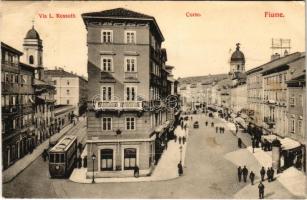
point(166, 168)
point(10, 173)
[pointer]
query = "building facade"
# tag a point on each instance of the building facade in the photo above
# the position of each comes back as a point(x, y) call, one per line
point(43, 90)
point(18, 137)
point(71, 89)
point(127, 76)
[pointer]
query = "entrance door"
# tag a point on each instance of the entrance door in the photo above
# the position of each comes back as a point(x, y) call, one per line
point(106, 159)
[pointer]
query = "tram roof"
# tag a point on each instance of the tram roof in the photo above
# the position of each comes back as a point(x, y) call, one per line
point(64, 144)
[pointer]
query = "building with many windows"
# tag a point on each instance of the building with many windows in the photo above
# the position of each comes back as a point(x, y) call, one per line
point(17, 106)
point(71, 89)
point(296, 115)
point(126, 78)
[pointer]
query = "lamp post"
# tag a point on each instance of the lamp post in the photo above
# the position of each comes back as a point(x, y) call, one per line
point(93, 159)
point(180, 153)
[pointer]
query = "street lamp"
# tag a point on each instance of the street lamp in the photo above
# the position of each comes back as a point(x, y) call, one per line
point(93, 159)
point(180, 153)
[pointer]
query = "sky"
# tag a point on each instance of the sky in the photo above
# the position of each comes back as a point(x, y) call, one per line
point(195, 45)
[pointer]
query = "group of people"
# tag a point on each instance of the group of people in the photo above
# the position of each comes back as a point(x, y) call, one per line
point(181, 131)
point(222, 129)
point(244, 172)
point(269, 172)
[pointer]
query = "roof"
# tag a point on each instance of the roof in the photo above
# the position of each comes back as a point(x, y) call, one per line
point(11, 49)
point(122, 13)
point(32, 34)
point(207, 79)
point(64, 144)
point(27, 67)
point(61, 73)
point(237, 55)
point(268, 67)
point(118, 12)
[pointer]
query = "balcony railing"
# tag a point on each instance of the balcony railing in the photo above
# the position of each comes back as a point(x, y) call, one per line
point(269, 120)
point(117, 105)
point(131, 75)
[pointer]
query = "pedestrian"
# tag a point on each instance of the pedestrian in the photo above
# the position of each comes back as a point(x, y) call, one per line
point(212, 124)
point(268, 174)
point(206, 123)
point(272, 174)
point(44, 156)
point(245, 173)
point(180, 169)
point(85, 162)
point(239, 143)
point(239, 173)
point(80, 147)
point(136, 172)
point(262, 173)
point(179, 139)
point(252, 177)
point(261, 190)
point(221, 129)
point(216, 129)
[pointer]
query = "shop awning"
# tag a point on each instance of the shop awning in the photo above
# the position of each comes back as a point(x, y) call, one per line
point(232, 115)
point(288, 143)
point(270, 138)
point(244, 116)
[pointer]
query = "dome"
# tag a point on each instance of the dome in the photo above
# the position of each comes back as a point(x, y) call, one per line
point(32, 34)
point(237, 55)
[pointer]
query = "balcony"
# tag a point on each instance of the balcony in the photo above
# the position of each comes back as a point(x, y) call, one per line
point(269, 121)
point(10, 87)
point(11, 110)
point(131, 75)
point(117, 105)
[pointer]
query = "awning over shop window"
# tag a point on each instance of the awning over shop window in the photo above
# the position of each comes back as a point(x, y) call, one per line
point(232, 115)
point(270, 138)
point(287, 144)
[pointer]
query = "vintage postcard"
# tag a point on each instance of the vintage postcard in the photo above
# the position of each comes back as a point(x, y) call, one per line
point(153, 99)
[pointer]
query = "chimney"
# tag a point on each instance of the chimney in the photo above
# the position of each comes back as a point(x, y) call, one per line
point(275, 56)
point(286, 53)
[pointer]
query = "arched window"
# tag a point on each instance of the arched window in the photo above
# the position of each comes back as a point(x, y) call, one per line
point(31, 59)
point(106, 159)
point(129, 158)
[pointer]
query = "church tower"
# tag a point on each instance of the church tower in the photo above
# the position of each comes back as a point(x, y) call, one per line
point(33, 52)
point(237, 62)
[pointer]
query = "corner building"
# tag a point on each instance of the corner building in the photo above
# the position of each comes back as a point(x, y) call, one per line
point(126, 70)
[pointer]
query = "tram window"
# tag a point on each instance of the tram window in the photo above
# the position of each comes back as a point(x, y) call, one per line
point(62, 158)
point(51, 158)
point(57, 158)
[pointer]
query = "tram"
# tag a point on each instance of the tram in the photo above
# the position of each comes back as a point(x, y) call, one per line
point(62, 157)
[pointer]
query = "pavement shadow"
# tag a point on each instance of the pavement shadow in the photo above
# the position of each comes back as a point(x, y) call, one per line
point(268, 195)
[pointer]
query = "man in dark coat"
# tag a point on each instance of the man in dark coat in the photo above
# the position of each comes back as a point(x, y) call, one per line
point(206, 123)
point(239, 143)
point(212, 124)
point(221, 129)
point(245, 173)
point(216, 129)
point(261, 190)
point(262, 173)
point(180, 169)
point(239, 173)
point(252, 177)
point(272, 174)
point(268, 174)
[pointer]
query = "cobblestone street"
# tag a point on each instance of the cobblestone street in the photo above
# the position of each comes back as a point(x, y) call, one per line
point(208, 174)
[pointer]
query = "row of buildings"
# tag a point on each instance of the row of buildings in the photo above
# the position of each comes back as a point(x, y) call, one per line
point(32, 107)
point(128, 86)
point(269, 100)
